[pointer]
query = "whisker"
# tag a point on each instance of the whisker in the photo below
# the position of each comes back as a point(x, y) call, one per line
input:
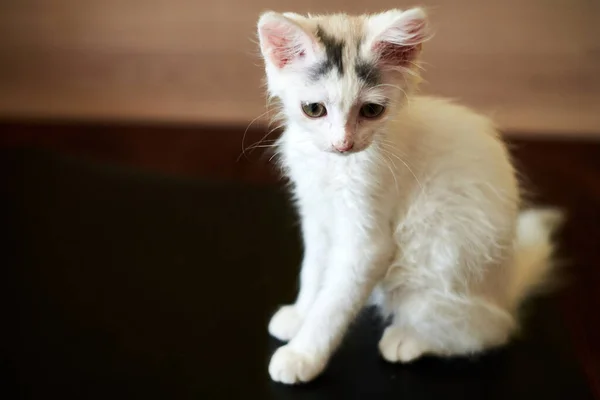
point(391, 146)
point(392, 86)
point(403, 162)
point(276, 153)
point(259, 142)
point(248, 127)
point(260, 145)
point(391, 170)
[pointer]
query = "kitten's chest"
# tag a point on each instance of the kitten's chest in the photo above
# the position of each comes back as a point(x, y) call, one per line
point(331, 179)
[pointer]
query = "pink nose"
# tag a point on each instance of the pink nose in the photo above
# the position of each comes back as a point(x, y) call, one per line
point(346, 145)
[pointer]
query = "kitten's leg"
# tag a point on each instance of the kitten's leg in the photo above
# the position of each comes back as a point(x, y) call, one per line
point(288, 319)
point(358, 262)
point(444, 324)
point(447, 291)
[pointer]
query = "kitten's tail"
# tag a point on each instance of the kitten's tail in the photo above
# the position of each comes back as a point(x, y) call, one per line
point(534, 250)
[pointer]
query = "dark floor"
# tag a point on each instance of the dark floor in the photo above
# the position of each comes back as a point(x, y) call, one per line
point(90, 313)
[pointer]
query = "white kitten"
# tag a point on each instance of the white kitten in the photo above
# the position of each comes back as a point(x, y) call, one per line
point(410, 201)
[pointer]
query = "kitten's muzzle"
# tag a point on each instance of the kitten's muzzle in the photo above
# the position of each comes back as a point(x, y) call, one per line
point(344, 146)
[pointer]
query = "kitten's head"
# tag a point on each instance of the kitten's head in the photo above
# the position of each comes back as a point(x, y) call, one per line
point(341, 77)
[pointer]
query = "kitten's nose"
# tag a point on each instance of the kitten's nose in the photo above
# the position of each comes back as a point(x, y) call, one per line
point(343, 146)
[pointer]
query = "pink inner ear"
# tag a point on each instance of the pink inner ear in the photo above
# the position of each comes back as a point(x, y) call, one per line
point(284, 50)
point(279, 53)
point(396, 55)
point(404, 49)
point(284, 44)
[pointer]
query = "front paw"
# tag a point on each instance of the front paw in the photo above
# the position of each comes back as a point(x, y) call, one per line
point(285, 323)
point(289, 366)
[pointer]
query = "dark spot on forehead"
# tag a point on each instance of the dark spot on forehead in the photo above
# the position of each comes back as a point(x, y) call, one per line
point(367, 72)
point(334, 49)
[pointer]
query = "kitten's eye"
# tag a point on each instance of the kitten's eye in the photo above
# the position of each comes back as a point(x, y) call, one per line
point(371, 110)
point(314, 110)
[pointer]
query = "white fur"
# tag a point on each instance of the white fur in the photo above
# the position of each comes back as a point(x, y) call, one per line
point(423, 219)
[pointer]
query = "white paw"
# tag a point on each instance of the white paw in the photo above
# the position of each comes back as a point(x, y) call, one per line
point(290, 367)
point(396, 346)
point(285, 323)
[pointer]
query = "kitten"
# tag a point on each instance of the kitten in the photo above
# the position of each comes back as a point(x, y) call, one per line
point(409, 203)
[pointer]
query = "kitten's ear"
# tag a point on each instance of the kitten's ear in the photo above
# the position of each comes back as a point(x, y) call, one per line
point(283, 41)
point(396, 36)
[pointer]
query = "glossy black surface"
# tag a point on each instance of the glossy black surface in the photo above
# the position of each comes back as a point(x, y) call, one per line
point(122, 284)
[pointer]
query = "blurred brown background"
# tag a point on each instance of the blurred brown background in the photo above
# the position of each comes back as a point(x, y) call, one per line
point(532, 64)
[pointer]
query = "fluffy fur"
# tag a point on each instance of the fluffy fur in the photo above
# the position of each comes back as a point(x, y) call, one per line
point(421, 217)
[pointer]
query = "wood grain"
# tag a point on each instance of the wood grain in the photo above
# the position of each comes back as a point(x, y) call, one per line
point(532, 64)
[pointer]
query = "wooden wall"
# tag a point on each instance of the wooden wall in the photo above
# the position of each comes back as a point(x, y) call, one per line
point(534, 64)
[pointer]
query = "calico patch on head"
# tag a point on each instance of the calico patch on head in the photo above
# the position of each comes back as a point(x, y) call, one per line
point(333, 54)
